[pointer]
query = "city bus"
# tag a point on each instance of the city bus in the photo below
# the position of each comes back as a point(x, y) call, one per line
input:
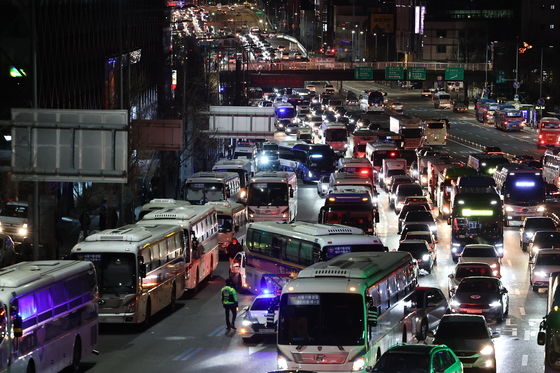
point(243, 167)
point(551, 167)
point(335, 135)
point(284, 110)
point(320, 160)
point(140, 270)
point(435, 132)
point(285, 249)
point(352, 207)
point(204, 187)
point(509, 120)
point(549, 132)
point(232, 222)
point(48, 315)
point(343, 314)
point(272, 196)
point(352, 179)
point(199, 225)
point(523, 192)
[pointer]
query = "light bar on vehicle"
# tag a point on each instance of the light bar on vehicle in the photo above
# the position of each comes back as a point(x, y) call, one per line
point(316, 155)
point(469, 212)
point(525, 184)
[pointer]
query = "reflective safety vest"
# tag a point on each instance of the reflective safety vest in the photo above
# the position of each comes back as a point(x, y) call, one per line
point(229, 296)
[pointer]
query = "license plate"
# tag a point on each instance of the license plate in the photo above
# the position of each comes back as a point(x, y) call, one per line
point(267, 331)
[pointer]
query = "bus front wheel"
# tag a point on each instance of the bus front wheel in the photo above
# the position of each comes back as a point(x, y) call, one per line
point(30, 367)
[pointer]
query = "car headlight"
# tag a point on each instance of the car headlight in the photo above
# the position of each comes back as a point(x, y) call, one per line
point(541, 274)
point(345, 146)
point(446, 210)
point(454, 303)
point(528, 234)
point(541, 209)
point(264, 160)
point(426, 257)
point(358, 364)
point(495, 303)
point(246, 323)
point(282, 363)
point(310, 174)
point(433, 228)
point(487, 350)
point(509, 208)
point(535, 249)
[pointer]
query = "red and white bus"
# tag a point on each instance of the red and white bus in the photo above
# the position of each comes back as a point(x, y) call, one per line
point(549, 132)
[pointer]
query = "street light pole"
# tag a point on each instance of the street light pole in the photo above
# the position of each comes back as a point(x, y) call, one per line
point(516, 67)
point(541, 78)
point(486, 68)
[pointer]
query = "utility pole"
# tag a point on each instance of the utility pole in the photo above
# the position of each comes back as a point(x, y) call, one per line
point(36, 214)
point(516, 66)
point(541, 78)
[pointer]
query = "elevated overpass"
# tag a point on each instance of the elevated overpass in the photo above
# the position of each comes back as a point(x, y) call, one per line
point(295, 73)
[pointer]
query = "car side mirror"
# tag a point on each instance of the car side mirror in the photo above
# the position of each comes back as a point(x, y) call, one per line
point(451, 276)
point(142, 270)
point(431, 334)
point(494, 335)
point(541, 338)
point(504, 291)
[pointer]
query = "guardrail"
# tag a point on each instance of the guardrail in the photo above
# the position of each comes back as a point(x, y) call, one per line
point(334, 65)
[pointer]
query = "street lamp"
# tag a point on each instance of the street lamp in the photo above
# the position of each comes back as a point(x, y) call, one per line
point(353, 46)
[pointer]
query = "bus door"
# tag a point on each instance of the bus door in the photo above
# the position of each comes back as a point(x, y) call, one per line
point(237, 271)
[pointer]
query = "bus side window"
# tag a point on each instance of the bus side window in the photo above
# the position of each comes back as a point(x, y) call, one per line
point(265, 241)
point(307, 253)
point(292, 252)
point(384, 300)
point(373, 292)
point(187, 245)
point(278, 246)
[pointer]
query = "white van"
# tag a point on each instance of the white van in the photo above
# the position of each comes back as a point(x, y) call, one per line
point(391, 167)
point(442, 100)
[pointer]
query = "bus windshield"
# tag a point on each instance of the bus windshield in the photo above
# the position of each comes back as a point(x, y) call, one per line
point(14, 211)
point(321, 319)
point(525, 189)
point(200, 193)
point(242, 174)
point(116, 273)
point(411, 132)
point(268, 194)
point(435, 125)
point(336, 134)
point(550, 125)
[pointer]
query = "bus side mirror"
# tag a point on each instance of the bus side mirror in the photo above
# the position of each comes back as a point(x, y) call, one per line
point(377, 216)
point(541, 338)
point(291, 192)
point(17, 325)
point(142, 270)
point(448, 221)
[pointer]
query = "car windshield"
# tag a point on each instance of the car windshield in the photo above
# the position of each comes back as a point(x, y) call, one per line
point(242, 155)
point(416, 227)
point(415, 249)
point(336, 135)
point(321, 319)
point(419, 216)
point(468, 271)
point(14, 211)
point(268, 194)
point(406, 190)
point(413, 236)
point(398, 362)
point(395, 172)
point(200, 193)
point(263, 303)
point(551, 125)
point(479, 252)
point(548, 259)
point(542, 224)
point(547, 239)
point(116, 273)
point(478, 285)
point(411, 132)
point(461, 330)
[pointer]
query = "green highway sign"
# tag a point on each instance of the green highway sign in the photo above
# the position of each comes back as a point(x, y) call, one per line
point(454, 73)
point(363, 73)
point(258, 13)
point(416, 73)
point(394, 73)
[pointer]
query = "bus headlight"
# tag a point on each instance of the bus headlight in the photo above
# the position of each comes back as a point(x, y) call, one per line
point(454, 303)
point(246, 323)
point(282, 363)
point(23, 231)
point(541, 209)
point(509, 209)
point(310, 174)
point(496, 303)
point(446, 210)
point(426, 257)
point(358, 364)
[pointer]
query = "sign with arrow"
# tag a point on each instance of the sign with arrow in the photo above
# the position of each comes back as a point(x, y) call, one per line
point(454, 73)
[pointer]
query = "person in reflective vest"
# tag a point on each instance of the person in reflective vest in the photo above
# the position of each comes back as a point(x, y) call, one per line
point(229, 301)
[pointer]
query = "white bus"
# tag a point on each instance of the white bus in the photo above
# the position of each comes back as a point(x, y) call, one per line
point(205, 187)
point(285, 249)
point(243, 167)
point(342, 315)
point(232, 222)
point(200, 231)
point(351, 179)
point(158, 204)
point(272, 196)
point(435, 132)
point(48, 315)
point(140, 270)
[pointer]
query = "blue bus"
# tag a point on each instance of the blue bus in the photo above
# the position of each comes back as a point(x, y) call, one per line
point(320, 160)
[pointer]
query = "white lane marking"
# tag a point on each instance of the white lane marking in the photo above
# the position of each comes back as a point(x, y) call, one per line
point(524, 360)
point(527, 335)
point(522, 311)
point(514, 332)
point(508, 322)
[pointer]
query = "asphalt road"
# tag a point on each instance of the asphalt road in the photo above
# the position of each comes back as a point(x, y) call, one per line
point(193, 337)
